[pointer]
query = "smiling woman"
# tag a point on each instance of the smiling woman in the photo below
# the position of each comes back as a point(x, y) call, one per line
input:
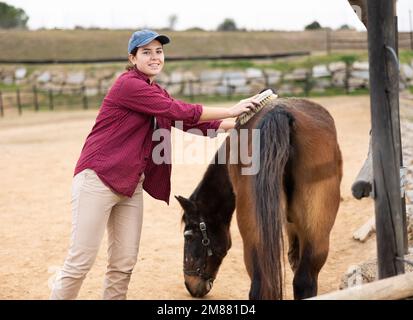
point(149, 59)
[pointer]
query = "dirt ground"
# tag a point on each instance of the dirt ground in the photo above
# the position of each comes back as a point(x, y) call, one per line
point(37, 156)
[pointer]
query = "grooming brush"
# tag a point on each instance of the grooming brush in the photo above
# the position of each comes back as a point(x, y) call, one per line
point(263, 99)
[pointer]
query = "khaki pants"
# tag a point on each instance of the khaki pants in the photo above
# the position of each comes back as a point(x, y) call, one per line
point(94, 207)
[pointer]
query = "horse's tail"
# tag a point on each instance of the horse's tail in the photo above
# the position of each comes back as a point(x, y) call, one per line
point(275, 131)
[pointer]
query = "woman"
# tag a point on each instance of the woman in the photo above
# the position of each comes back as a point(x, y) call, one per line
point(116, 164)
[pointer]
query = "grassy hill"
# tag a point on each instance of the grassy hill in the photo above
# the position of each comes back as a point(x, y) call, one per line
point(100, 44)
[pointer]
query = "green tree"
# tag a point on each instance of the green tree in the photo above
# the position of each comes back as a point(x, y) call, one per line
point(172, 20)
point(346, 27)
point(12, 17)
point(313, 26)
point(227, 25)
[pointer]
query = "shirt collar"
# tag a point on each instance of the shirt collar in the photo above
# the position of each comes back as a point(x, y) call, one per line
point(141, 75)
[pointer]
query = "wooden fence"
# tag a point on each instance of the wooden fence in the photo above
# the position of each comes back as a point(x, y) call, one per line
point(346, 40)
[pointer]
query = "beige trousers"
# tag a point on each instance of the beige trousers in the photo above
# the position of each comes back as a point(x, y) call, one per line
point(94, 207)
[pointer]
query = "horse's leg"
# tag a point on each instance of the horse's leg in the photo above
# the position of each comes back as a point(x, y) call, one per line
point(293, 246)
point(313, 227)
point(313, 255)
point(250, 259)
point(247, 228)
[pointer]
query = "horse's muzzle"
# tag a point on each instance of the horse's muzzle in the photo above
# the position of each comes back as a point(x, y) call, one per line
point(199, 288)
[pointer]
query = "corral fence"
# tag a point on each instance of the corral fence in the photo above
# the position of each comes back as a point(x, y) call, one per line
point(36, 99)
point(349, 40)
point(40, 97)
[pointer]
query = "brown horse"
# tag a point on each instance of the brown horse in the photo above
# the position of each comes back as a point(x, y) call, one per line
point(297, 188)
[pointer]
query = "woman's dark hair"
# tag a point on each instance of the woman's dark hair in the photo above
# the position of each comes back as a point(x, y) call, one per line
point(131, 66)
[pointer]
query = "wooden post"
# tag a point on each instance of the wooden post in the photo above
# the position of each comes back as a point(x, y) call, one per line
point(51, 105)
point(19, 104)
point(384, 93)
point(308, 84)
point(266, 80)
point(85, 102)
point(1, 105)
point(328, 41)
point(411, 29)
point(399, 136)
point(35, 99)
point(100, 87)
point(348, 75)
point(191, 90)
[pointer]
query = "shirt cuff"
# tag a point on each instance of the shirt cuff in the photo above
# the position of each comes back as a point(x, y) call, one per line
point(197, 113)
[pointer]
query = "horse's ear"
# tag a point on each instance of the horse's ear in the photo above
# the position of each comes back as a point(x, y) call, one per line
point(186, 204)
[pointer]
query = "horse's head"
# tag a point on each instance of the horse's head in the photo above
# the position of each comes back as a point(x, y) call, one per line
point(207, 241)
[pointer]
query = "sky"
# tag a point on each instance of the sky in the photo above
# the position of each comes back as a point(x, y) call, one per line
point(207, 14)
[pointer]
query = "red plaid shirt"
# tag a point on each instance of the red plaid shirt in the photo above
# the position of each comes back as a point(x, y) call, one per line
point(119, 147)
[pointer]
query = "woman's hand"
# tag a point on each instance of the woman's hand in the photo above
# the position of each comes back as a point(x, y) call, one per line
point(213, 113)
point(244, 105)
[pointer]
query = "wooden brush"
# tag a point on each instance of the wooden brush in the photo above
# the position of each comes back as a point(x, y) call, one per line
point(263, 98)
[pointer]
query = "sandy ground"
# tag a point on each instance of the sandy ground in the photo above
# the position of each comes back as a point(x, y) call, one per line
point(37, 156)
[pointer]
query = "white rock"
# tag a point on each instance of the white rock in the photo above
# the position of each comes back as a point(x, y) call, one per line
point(409, 210)
point(174, 89)
point(297, 75)
point(188, 75)
point(355, 83)
point(337, 66)
point(363, 66)
point(193, 89)
point(75, 78)
point(234, 79)
point(176, 77)
point(321, 71)
point(242, 90)
point(8, 80)
point(322, 83)
point(20, 73)
point(222, 90)
point(409, 196)
point(354, 276)
point(44, 77)
point(211, 76)
point(360, 74)
point(339, 78)
point(253, 73)
point(273, 76)
point(91, 92)
point(406, 71)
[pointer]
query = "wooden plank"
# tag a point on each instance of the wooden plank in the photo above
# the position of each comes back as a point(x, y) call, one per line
point(362, 186)
point(366, 230)
point(385, 145)
point(394, 288)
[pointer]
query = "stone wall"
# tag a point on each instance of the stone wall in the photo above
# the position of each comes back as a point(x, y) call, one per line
point(209, 82)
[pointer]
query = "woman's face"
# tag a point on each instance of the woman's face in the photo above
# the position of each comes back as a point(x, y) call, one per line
point(149, 59)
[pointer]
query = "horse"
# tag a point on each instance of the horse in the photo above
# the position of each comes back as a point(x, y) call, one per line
point(296, 189)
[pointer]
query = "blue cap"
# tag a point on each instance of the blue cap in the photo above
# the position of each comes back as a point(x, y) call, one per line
point(143, 37)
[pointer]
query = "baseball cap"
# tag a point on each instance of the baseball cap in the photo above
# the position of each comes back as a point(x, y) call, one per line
point(143, 37)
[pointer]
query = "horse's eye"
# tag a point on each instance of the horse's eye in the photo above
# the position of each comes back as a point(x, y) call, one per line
point(188, 234)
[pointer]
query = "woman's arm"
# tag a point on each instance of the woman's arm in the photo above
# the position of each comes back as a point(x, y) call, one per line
point(227, 124)
point(212, 113)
